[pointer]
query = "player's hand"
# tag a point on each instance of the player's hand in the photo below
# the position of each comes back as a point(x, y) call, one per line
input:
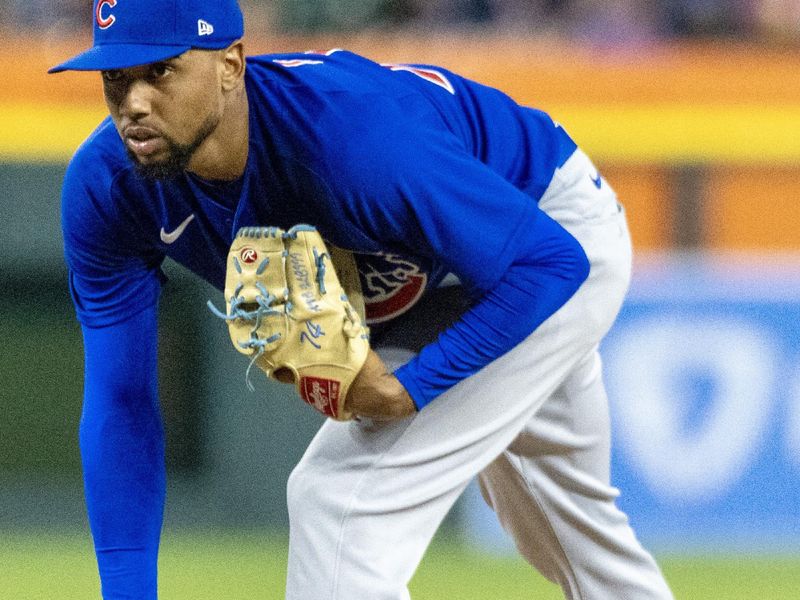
point(377, 394)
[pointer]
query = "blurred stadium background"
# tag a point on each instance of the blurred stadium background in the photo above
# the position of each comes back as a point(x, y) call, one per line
point(691, 109)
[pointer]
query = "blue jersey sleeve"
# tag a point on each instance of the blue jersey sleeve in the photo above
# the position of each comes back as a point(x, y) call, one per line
point(115, 281)
point(549, 269)
point(122, 452)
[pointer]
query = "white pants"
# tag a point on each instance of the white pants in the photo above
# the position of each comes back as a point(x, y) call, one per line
point(366, 499)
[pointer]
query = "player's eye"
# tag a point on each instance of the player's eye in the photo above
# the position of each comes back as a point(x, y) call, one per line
point(112, 75)
point(159, 70)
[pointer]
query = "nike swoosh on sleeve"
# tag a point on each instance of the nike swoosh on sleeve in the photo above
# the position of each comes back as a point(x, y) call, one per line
point(172, 237)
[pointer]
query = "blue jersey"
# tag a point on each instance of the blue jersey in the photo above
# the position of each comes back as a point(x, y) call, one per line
point(421, 173)
point(377, 157)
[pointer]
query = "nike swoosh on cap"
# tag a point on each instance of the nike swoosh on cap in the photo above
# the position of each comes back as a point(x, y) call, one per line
point(172, 237)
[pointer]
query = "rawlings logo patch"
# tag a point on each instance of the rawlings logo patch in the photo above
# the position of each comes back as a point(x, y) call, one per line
point(248, 255)
point(391, 284)
point(322, 394)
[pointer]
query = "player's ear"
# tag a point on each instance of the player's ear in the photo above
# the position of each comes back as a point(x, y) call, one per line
point(232, 65)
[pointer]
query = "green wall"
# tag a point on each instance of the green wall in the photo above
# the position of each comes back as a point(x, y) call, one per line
point(229, 451)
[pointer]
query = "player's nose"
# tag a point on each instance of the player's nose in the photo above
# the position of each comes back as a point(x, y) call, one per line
point(136, 102)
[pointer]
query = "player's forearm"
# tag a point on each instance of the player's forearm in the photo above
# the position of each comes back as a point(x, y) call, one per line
point(122, 450)
point(125, 489)
point(536, 285)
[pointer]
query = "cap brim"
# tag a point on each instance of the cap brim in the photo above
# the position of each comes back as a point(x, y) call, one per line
point(118, 56)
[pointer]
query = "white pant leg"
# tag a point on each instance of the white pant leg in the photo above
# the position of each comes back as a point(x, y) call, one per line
point(552, 494)
point(551, 487)
point(365, 500)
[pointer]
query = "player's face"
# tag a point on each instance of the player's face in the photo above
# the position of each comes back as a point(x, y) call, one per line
point(165, 111)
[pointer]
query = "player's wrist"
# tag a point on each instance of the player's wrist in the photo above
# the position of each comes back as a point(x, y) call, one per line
point(377, 394)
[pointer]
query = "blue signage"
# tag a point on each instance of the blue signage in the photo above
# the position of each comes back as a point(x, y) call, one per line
point(703, 375)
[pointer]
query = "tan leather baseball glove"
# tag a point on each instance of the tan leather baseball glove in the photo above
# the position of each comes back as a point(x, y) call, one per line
point(287, 310)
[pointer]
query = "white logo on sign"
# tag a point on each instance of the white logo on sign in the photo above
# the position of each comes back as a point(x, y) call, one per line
point(204, 27)
point(647, 367)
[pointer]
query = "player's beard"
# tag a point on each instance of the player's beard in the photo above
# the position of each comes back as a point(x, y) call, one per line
point(178, 155)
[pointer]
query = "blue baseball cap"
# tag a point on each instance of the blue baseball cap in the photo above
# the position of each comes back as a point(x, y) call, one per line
point(129, 33)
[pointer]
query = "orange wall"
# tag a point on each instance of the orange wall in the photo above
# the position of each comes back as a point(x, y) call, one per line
point(538, 73)
point(644, 191)
point(747, 206)
point(753, 208)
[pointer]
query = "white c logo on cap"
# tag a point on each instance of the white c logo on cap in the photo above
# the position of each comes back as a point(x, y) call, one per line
point(105, 22)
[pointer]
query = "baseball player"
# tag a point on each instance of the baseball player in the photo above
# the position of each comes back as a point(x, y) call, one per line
point(490, 251)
